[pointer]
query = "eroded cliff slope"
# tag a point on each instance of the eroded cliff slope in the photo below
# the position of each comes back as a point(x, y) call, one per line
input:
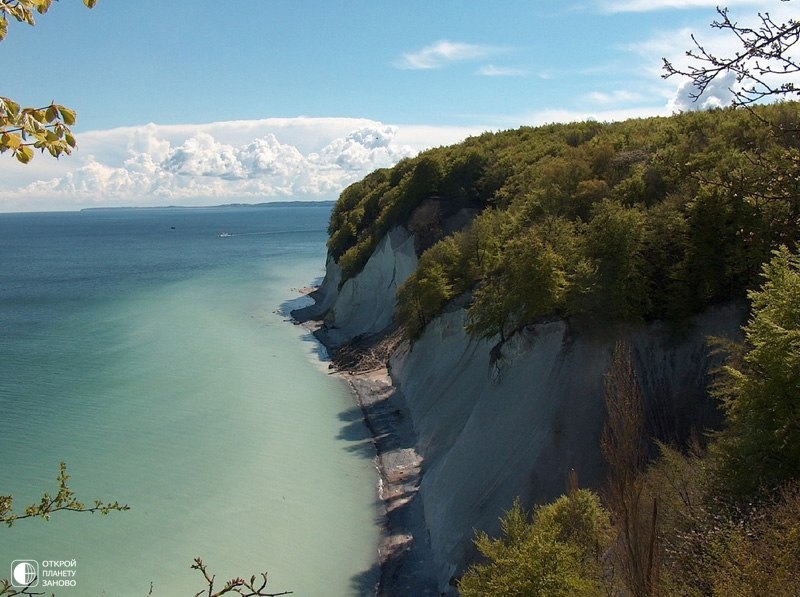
point(492, 425)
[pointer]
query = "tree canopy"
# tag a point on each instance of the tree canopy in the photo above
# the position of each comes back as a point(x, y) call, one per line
point(759, 450)
point(645, 219)
point(556, 553)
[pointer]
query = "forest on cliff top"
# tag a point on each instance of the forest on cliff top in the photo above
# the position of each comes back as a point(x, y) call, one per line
point(645, 219)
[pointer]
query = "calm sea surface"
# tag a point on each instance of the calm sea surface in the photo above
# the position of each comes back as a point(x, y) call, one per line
point(154, 357)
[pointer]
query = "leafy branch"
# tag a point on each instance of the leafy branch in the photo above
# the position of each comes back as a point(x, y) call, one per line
point(22, 11)
point(64, 499)
point(22, 130)
point(6, 590)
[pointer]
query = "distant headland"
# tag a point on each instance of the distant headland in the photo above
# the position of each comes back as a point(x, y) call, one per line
point(325, 203)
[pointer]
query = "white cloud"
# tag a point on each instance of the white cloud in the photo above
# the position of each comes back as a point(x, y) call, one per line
point(302, 158)
point(443, 53)
point(618, 97)
point(717, 94)
point(203, 155)
point(501, 71)
point(363, 149)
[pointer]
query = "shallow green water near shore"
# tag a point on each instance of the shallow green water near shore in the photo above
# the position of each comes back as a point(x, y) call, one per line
point(153, 357)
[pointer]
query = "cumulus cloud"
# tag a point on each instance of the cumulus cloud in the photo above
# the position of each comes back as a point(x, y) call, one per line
point(251, 161)
point(203, 155)
point(443, 53)
point(362, 148)
point(718, 94)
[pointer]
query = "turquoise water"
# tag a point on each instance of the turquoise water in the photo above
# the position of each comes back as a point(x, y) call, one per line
point(154, 357)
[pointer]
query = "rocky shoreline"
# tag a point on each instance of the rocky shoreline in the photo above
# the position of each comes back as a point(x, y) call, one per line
point(404, 553)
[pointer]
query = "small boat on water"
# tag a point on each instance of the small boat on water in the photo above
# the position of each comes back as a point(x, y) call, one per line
point(224, 234)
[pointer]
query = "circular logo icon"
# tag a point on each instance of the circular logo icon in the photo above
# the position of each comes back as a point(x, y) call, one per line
point(23, 573)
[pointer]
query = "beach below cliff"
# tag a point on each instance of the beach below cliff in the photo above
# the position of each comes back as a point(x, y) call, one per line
point(404, 553)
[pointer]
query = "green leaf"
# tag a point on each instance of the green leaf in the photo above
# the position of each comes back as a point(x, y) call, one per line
point(10, 141)
point(67, 115)
point(56, 149)
point(9, 106)
point(41, 5)
point(24, 154)
point(30, 124)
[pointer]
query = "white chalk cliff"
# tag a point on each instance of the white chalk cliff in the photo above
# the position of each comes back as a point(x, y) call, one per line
point(490, 429)
point(364, 304)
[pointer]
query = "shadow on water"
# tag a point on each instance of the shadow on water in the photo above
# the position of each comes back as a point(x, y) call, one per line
point(286, 310)
point(317, 348)
point(365, 584)
point(355, 432)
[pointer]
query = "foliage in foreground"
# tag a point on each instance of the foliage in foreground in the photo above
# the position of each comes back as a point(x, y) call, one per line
point(24, 129)
point(556, 553)
point(65, 501)
point(760, 449)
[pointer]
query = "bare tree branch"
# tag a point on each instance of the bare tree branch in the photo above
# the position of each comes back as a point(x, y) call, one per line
point(238, 586)
point(763, 67)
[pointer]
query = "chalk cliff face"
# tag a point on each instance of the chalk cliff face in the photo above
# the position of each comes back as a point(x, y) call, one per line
point(492, 427)
point(491, 431)
point(364, 304)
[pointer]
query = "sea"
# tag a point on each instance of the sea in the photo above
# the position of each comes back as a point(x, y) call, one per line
point(151, 350)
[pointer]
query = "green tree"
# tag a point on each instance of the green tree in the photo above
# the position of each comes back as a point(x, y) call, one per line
point(758, 555)
point(528, 283)
point(25, 129)
point(614, 239)
point(760, 448)
point(557, 553)
point(422, 297)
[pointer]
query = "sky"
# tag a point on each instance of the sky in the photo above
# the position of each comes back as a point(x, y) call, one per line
point(193, 102)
